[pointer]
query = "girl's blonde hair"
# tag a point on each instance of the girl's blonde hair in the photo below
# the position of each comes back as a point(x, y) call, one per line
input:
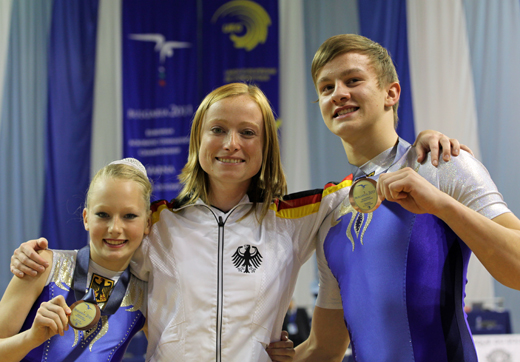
point(126, 169)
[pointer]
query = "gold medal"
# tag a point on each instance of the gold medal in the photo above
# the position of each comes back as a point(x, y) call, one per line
point(363, 195)
point(85, 313)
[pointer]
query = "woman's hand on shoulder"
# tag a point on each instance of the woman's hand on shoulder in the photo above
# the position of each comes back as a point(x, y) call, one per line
point(27, 261)
point(437, 143)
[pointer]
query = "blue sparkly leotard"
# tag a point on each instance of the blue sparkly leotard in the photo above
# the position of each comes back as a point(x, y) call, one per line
point(105, 342)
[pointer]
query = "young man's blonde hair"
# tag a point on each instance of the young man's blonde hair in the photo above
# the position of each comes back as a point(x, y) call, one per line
point(268, 184)
point(346, 43)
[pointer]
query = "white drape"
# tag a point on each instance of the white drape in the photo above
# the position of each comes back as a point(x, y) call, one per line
point(5, 22)
point(442, 82)
point(295, 150)
point(107, 123)
point(443, 91)
point(494, 38)
point(22, 132)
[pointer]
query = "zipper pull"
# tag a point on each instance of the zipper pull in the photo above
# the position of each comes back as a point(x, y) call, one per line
point(220, 221)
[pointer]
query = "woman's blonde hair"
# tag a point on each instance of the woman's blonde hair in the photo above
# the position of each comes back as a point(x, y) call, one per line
point(268, 184)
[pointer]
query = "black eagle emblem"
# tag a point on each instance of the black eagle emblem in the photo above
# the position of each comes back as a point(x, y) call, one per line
point(102, 287)
point(247, 259)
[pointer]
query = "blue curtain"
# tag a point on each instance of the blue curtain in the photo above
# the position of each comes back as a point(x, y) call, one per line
point(385, 23)
point(72, 51)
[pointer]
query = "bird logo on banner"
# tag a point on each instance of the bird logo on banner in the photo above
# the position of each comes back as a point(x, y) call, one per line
point(165, 48)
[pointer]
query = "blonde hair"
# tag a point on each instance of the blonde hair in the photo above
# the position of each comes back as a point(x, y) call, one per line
point(123, 171)
point(346, 43)
point(268, 184)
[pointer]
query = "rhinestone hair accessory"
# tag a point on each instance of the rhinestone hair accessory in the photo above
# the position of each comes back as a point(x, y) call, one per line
point(132, 162)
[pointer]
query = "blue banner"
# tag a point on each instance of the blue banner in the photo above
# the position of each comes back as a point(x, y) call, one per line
point(244, 34)
point(160, 92)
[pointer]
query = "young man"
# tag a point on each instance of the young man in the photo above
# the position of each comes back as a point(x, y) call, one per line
point(392, 277)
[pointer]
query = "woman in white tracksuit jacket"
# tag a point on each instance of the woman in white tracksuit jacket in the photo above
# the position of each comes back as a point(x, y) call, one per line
point(221, 264)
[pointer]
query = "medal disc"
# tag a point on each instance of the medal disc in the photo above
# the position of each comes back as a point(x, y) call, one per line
point(363, 195)
point(84, 315)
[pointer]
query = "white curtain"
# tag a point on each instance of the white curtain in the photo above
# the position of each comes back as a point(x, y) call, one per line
point(22, 132)
point(5, 22)
point(442, 82)
point(494, 39)
point(295, 152)
point(443, 92)
point(293, 113)
point(107, 123)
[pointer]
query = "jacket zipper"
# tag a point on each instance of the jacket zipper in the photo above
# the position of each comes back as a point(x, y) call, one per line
point(220, 280)
point(220, 283)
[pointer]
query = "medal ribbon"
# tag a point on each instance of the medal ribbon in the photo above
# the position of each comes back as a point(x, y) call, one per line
point(398, 151)
point(80, 283)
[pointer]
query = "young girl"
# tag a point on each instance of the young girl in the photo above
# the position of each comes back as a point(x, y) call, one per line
point(117, 217)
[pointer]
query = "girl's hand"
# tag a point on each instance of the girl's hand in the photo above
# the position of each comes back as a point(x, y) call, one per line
point(51, 319)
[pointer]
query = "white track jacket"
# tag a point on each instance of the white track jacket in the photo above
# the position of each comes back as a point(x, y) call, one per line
point(219, 288)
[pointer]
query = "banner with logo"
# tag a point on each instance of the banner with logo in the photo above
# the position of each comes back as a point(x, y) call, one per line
point(159, 87)
point(244, 34)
